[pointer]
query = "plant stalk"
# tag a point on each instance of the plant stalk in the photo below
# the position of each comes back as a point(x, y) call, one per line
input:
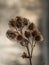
point(29, 55)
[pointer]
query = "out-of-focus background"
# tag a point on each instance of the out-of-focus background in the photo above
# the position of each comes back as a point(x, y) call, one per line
point(37, 12)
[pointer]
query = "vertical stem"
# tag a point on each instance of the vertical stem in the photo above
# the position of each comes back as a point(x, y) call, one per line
point(31, 49)
point(30, 61)
point(29, 55)
point(32, 46)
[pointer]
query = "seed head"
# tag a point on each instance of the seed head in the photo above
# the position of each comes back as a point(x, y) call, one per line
point(19, 37)
point(24, 55)
point(24, 42)
point(25, 21)
point(31, 26)
point(10, 34)
point(18, 22)
point(34, 33)
point(12, 23)
point(38, 38)
point(27, 34)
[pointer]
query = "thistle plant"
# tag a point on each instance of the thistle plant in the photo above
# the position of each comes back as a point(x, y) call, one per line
point(27, 38)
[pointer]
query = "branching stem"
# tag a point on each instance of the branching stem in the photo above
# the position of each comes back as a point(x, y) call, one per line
point(29, 55)
point(32, 47)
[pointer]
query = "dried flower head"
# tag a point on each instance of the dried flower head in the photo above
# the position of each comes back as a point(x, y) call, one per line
point(25, 21)
point(10, 34)
point(18, 22)
point(19, 37)
point(34, 33)
point(24, 42)
point(31, 26)
point(12, 23)
point(24, 55)
point(38, 37)
point(27, 34)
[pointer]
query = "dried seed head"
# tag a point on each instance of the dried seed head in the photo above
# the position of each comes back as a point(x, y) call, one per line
point(19, 37)
point(12, 23)
point(10, 34)
point(27, 34)
point(24, 55)
point(34, 33)
point(38, 37)
point(25, 21)
point(31, 26)
point(24, 42)
point(18, 22)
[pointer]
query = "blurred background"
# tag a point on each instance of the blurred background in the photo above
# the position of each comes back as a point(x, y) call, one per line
point(37, 12)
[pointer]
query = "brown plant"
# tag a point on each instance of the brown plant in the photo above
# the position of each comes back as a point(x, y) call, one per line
point(31, 32)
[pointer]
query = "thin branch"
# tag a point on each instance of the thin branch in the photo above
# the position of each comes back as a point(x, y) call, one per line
point(21, 30)
point(29, 55)
point(32, 46)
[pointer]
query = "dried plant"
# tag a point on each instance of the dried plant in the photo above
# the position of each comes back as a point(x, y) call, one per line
point(30, 37)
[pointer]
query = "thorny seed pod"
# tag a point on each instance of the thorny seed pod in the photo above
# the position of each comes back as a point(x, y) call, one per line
point(11, 34)
point(18, 22)
point(12, 23)
point(31, 26)
point(27, 34)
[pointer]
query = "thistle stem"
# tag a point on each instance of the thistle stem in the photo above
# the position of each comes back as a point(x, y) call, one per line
point(32, 47)
point(29, 55)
